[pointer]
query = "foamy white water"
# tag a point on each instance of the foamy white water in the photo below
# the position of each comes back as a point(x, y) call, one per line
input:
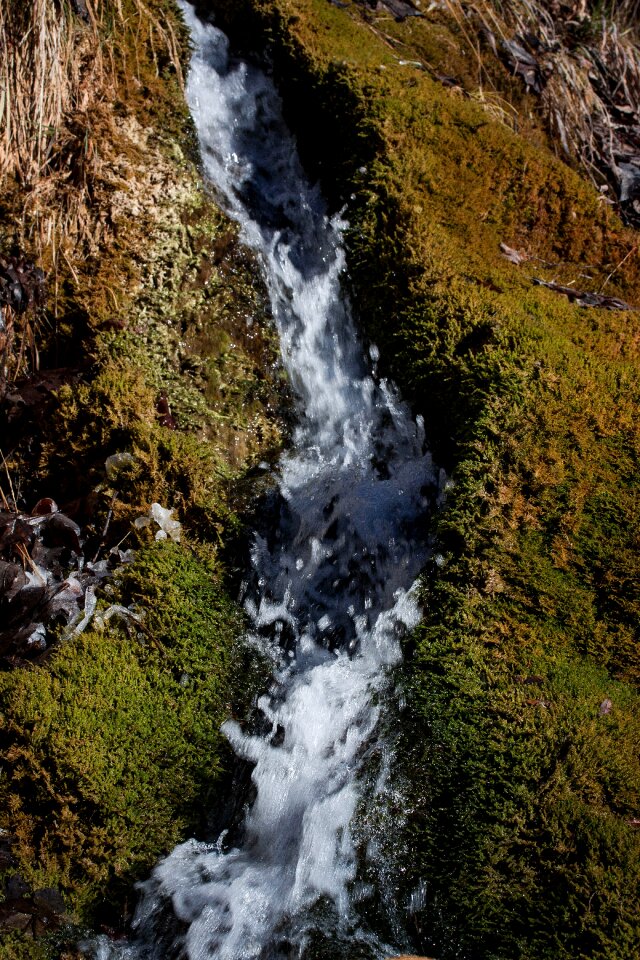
point(333, 588)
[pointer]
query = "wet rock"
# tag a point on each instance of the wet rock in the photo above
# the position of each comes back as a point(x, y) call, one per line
point(50, 900)
point(16, 886)
point(14, 921)
point(34, 915)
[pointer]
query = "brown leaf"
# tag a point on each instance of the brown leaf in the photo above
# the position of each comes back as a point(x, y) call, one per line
point(61, 531)
point(44, 507)
point(165, 417)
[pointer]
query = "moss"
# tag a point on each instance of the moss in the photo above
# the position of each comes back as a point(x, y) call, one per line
point(114, 750)
point(177, 307)
point(18, 947)
point(521, 796)
point(111, 744)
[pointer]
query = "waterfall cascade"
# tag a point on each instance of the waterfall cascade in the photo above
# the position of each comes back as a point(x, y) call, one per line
point(332, 587)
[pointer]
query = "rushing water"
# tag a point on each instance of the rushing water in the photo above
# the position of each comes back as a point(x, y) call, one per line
point(333, 583)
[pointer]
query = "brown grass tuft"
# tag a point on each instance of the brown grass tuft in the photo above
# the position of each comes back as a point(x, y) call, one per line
point(66, 69)
point(586, 65)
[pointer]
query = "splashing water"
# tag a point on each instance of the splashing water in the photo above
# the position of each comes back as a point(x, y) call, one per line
point(333, 587)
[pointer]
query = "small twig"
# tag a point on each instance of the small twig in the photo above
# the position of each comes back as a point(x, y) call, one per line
point(28, 559)
point(106, 527)
point(120, 542)
point(6, 469)
point(615, 270)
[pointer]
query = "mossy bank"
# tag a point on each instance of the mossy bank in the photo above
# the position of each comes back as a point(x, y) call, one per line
point(521, 736)
point(154, 349)
point(518, 837)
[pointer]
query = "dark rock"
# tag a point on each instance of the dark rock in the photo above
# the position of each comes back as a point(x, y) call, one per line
point(50, 899)
point(16, 887)
point(59, 530)
point(12, 920)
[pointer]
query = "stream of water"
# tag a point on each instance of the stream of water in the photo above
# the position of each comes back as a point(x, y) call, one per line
point(333, 584)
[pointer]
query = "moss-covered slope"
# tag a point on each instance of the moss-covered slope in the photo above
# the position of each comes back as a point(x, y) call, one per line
point(522, 747)
point(115, 745)
point(153, 347)
point(522, 736)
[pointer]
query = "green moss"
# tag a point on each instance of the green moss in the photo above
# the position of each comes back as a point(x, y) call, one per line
point(521, 795)
point(18, 947)
point(114, 749)
point(111, 744)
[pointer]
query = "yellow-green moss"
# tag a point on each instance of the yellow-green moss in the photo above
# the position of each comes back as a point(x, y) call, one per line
point(522, 793)
point(114, 751)
point(111, 743)
point(522, 796)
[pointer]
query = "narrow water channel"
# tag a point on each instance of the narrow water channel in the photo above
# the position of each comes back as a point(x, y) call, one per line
point(333, 584)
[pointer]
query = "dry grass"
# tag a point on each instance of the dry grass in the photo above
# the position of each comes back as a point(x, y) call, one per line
point(55, 67)
point(588, 57)
point(61, 75)
point(48, 70)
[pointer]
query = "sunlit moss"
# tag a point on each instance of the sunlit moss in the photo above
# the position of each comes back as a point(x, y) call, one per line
point(115, 748)
point(521, 792)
